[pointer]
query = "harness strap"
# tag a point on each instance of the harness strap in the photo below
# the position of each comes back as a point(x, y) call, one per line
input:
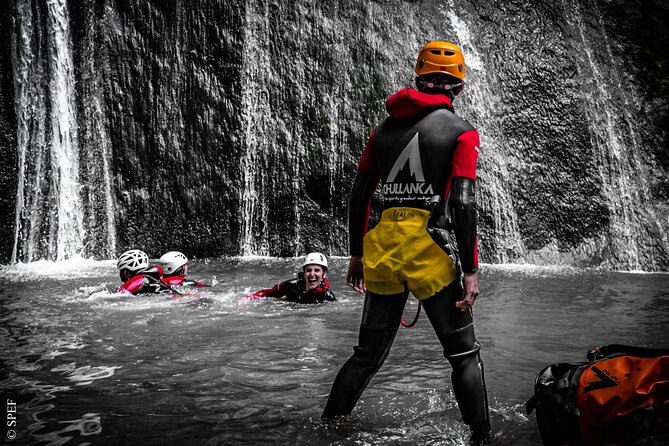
point(415, 319)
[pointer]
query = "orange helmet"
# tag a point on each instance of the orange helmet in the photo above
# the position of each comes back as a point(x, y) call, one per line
point(441, 57)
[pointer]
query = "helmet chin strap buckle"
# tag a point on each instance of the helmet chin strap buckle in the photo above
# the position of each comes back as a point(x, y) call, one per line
point(455, 88)
point(444, 86)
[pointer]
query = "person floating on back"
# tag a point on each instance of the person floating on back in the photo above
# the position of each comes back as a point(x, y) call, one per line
point(137, 276)
point(175, 267)
point(310, 285)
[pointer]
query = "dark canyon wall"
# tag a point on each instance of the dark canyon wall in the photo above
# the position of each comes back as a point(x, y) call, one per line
point(234, 127)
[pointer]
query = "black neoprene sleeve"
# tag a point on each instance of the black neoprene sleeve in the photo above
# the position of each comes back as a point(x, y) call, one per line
point(463, 211)
point(358, 210)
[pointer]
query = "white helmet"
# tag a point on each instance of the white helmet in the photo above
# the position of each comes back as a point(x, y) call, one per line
point(316, 258)
point(134, 260)
point(172, 261)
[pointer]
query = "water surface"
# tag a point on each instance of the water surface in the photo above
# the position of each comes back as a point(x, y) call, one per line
point(88, 366)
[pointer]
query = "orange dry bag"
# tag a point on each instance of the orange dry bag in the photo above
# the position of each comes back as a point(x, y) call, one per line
point(622, 392)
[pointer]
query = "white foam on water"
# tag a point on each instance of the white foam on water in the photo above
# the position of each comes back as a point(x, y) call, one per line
point(85, 375)
point(73, 268)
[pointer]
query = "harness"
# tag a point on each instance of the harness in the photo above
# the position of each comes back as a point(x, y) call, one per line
point(440, 229)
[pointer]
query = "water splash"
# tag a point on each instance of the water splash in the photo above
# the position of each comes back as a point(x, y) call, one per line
point(49, 219)
point(70, 269)
point(495, 198)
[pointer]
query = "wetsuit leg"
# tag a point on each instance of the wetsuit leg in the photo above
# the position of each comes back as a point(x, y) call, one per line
point(455, 330)
point(380, 319)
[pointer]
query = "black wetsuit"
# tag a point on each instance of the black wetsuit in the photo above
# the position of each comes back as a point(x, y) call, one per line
point(294, 290)
point(441, 165)
point(146, 282)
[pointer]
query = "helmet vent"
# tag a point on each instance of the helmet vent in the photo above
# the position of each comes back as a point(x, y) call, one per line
point(440, 57)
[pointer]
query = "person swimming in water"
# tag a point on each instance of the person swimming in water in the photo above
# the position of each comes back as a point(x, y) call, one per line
point(137, 276)
point(175, 267)
point(310, 285)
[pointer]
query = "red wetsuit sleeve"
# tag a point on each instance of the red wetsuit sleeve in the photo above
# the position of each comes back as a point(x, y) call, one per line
point(462, 202)
point(465, 158)
point(278, 290)
point(367, 163)
point(133, 285)
point(360, 198)
point(181, 280)
point(173, 280)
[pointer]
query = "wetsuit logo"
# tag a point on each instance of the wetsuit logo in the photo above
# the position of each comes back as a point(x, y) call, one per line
point(411, 153)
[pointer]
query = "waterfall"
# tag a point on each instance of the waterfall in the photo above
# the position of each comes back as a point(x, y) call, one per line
point(49, 220)
point(255, 109)
point(31, 133)
point(96, 150)
point(614, 135)
point(494, 184)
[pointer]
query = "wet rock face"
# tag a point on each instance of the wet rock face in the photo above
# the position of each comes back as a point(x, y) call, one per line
point(231, 127)
point(8, 171)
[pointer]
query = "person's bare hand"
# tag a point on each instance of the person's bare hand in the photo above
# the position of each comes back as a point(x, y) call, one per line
point(470, 290)
point(354, 276)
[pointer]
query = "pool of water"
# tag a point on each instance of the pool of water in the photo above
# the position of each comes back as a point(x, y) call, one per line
point(87, 366)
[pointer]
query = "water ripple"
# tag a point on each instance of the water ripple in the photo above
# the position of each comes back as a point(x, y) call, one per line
point(85, 375)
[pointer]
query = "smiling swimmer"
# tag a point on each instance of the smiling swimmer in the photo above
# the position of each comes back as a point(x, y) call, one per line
point(310, 285)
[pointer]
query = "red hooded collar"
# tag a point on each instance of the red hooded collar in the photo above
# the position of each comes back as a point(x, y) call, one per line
point(410, 102)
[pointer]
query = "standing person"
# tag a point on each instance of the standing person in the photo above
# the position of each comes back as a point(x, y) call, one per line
point(310, 285)
point(175, 267)
point(425, 157)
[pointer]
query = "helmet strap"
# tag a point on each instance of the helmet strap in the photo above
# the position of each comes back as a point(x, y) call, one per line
point(449, 89)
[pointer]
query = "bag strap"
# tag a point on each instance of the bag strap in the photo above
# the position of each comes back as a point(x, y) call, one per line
point(640, 352)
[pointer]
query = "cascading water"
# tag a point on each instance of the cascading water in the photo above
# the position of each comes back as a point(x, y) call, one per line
point(255, 109)
point(493, 195)
point(31, 116)
point(64, 139)
point(614, 136)
point(49, 212)
point(96, 153)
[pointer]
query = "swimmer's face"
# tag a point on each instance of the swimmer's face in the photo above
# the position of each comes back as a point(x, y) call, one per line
point(126, 275)
point(313, 276)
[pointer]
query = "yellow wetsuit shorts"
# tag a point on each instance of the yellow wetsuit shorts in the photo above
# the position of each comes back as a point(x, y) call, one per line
point(399, 251)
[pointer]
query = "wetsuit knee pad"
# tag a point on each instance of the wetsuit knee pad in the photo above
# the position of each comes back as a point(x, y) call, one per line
point(460, 343)
point(373, 346)
point(462, 351)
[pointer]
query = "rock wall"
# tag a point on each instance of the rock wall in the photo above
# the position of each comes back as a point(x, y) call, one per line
point(235, 127)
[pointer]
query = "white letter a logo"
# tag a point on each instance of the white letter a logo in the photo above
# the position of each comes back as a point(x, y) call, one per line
point(412, 153)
